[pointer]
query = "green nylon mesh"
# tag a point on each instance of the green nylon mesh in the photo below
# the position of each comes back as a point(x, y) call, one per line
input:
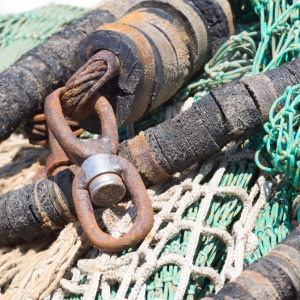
point(22, 32)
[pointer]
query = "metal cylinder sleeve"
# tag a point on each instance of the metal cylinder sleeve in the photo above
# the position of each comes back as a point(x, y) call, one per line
point(106, 187)
point(160, 45)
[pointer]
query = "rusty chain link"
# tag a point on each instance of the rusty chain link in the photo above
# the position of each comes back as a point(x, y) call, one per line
point(37, 131)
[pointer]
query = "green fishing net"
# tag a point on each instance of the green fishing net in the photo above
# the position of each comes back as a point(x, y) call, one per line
point(22, 32)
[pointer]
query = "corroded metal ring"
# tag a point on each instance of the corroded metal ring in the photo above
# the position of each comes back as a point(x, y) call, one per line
point(144, 218)
point(78, 150)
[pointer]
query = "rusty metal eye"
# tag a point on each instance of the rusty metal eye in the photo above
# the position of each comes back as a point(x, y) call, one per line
point(144, 218)
point(78, 150)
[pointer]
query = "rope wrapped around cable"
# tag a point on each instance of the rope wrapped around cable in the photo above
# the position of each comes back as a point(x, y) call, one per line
point(24, 85)
point(232, 112)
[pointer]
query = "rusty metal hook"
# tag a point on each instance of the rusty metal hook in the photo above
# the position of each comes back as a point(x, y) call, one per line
point(144, 218)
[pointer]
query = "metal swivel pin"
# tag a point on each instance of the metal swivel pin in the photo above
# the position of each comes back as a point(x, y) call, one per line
point(105, 186)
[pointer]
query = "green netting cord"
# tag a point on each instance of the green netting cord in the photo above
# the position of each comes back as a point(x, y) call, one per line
point(282, 139)
point(273, 223)
point(21, 32)
point(211, 252)
point(280, 33)
point(234, 60)
point(272, 42)
point(281, 39)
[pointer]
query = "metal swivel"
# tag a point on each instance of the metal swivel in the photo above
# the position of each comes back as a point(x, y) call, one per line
point(102, 171)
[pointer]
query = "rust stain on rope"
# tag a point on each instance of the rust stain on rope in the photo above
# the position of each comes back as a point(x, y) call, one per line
point(145, 160)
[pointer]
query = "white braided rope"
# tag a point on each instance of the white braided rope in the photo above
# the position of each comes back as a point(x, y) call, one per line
point(133, 269)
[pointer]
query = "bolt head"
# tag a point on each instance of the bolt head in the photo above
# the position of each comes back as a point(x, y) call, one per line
point(107, 189)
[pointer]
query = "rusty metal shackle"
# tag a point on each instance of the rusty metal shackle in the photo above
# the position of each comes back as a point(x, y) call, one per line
point(101, 169)
point(144, 218)
point(79, 152)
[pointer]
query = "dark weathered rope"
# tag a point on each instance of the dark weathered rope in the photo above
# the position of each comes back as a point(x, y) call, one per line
point(25, 85)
